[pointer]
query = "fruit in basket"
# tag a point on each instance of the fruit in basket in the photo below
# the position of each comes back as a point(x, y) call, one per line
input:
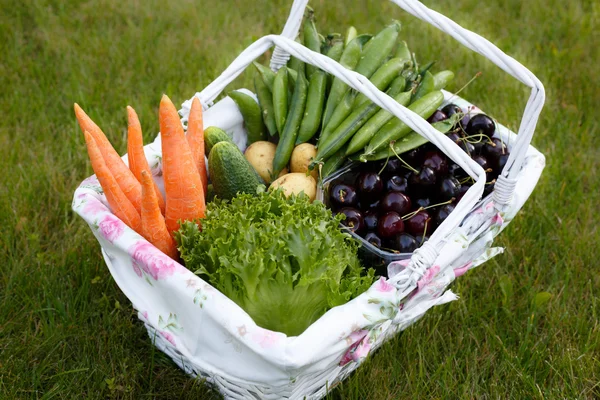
point(371, 219)
point(451, 109)
point(396, 201)
point(481, 124)
point(442, 213)
point(423, 180)
point(436, 161)
point(354, 219)
point(390, 224)
point(404, 243)
point(214, 135)
point(419, 223)
point(260, 155)
point(296, 183)
point(369, 186)
point(307, 265)
point(397, 183)
point(230, 172)
point(372, 238)
point(343, 195)
point(449, 187)
point(437, 116)
point(302, 156)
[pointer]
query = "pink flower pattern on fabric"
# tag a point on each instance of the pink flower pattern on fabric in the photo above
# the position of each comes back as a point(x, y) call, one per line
point(428, 277)
point(265, 338)
point(497, 220)
point(359, 347)
point(382, 285)
point(152, 261)
point(111, 227)
point(168, 336)
point(94, 207)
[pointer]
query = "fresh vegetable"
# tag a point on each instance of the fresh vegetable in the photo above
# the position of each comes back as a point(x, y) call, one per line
point(302, 156)
point(351, 33)
point(292, 125)
point(311, 40)
point(154, 228)
point(183, 186)
point(267, 75)
point(382, 78)
point(195, 139)
point(135, 153)
point(283, 260)
point(427, 85)
point(265, 100)
point(230, 172)
point(296, 183)
point(125, 179)
point(252, 116)
point(339, 115)
point(336, 50)
point(280, 98)
point(118, 202)
point(378, 50)
point(442, 79)
point(333, 163)
point(214, 135)
point(314, 107)
point(260, 155)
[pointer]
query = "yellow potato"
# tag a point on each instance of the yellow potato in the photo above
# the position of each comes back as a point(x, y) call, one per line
point(302, 156)
point(296, 182)
point(260, 155)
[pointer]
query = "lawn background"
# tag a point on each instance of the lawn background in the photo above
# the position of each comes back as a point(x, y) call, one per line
point(67, 331)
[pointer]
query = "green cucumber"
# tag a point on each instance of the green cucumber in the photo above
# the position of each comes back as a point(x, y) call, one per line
point(214, 135)
point(230, 173)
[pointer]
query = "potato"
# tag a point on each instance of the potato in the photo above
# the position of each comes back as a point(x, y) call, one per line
point(302, 155)
point(260, 155)
point(295, 183)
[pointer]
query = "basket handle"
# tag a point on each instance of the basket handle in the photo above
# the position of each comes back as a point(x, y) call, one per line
point(423, 257)
point(506, 182)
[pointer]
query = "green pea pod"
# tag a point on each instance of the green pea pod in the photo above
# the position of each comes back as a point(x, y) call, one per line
point(293, 74)
point(427, 85)
point(333, 163)
point(280, 98)
point(335, 51)
point(382, 78)
point(403, 52)
point(311, 40)
point(314, 107)
point(349, 59)
point(293, 62)
point(267, 75)
point(330, 40)
point(396, 128)
point(288, 136)
point(351, 33)
point(252, 116)
point(265, 100)
point(442, 79)
point(373, 125)
point(343, 109)
point(378, 50)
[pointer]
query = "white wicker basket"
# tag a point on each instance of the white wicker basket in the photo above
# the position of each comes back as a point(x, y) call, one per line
point(208, 335)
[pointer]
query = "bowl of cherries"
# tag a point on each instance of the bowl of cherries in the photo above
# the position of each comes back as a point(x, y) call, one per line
point(392, 206)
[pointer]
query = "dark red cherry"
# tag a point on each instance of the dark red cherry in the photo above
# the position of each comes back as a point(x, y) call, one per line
point(437, 116)
point(442, 213)
point(396, 182)
point(354, 219)
point(396, 201)
point(423, 202)
point(461, 192)
point(494, 149)
point(419, 223)
point(481, 124)
point(499, 164)
point(413, 157)
point(481, 160)
point(369, 185)
point(372, 238)
point(449, 187)
point(451, 109)
point(370, 218)
point(436, 161)
point(390, 224)
point(420, 239)
point(392, 166)
point(404, 243)
point(343, 195)
point(467, 147)
point(455, 137)
point(422, 182)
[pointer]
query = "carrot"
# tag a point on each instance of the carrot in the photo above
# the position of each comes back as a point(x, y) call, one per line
point(195, 138)
point(136, 156)
point(154, 228)
point(118, 202)
point(183, 186)
point(124, 177)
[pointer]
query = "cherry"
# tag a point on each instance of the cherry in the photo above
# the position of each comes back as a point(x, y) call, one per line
point(344, 195)
point(369, 185)
point(499, 164)
point(481, 160)
point(467, 147)
point(421, 239)
point(461, 192)
point(456, 171)
point(419, 223)
point(372, 238)
point(390, 224)
point(489, 188)
point(413, 157)
point(443, 212)
point(404, 243)
point(370, 218)
point(455, 137)
point(437, 117)
point(481, 124)
point(396, 201)
point(451, 109)
point(354, 219)
point(393, 165)
point(436, 161)
point(423, 181)
point(494, 149)
point(397, 183)
point(449, 187)
point(423, 202)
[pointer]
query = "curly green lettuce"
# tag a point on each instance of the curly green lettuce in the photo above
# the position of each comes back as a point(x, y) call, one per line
point(283, 260)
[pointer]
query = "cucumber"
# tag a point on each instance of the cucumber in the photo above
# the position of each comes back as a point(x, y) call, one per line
point(214, 135)
point(230, 172)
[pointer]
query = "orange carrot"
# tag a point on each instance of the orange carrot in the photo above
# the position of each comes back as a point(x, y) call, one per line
point(118, 202)
point(184, 193)
point(195, 138)
point(154, 228)
point(124, 177)
point(136, 156)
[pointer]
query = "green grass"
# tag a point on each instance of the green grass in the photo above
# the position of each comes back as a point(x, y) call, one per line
point(67, 331)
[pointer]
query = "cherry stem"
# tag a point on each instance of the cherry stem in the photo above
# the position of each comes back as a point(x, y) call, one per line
point(477, 75)
point(424, 231)
point(384, 165)
point(400, 158)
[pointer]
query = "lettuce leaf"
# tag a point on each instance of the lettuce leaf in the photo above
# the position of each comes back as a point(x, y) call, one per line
point(283, 260)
